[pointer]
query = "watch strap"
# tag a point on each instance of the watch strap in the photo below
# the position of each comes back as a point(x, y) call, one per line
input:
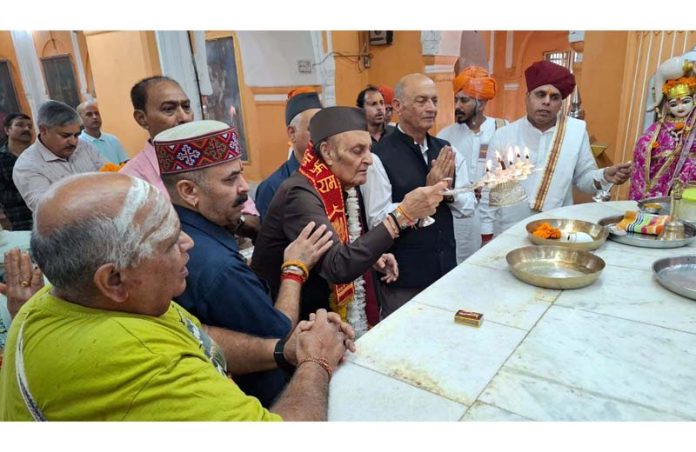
point(279, 356)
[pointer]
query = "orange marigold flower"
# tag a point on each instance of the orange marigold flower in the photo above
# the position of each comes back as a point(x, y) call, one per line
point(679, 126)
point(111, 167)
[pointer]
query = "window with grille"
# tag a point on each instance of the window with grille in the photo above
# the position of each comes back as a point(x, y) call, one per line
point(560, 58)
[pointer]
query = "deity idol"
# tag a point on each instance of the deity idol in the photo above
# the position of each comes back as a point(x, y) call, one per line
point(666, 152)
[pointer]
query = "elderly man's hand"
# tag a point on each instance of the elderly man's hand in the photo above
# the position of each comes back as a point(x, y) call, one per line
point(309, 246)
point(22, 280)
point(423, 201)
point(442, 167)
point(324, 337)
point(618, 174)
point(387, 264)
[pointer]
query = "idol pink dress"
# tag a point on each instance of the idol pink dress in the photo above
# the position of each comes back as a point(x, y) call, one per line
point(663, 159)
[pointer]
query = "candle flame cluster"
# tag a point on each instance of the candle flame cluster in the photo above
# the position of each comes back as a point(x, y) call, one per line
point(517, 168)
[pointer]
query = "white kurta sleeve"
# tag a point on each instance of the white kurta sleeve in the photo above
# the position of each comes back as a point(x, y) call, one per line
point(464, 204)
point(586, 171)
point(377, 193)
point(488, 213)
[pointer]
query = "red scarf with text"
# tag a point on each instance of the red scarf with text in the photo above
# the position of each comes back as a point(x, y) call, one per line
point(331, 193)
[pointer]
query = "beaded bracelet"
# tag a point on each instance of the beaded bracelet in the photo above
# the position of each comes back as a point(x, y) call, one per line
point(320, 361)
point(298, 264)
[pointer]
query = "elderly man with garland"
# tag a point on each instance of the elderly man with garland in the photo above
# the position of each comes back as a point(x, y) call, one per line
point(557, 144)
point(201, 167)
point(326, 190)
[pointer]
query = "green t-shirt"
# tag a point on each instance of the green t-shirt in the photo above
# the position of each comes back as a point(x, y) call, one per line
point(93, 365)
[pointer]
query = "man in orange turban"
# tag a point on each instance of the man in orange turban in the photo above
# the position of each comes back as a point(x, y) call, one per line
point(388, 94)
point(470, 135)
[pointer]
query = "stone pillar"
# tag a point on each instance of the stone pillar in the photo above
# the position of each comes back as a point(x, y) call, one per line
point(441, 51)
point(441, 70)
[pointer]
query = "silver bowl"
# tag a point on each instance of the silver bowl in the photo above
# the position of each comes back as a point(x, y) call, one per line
point(659, 206)
point(575, 234)
point(555, 267)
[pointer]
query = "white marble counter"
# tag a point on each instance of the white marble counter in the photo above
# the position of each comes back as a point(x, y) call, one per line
point(623, 348)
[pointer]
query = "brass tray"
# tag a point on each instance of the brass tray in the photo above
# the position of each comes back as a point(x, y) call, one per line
point(555, 267)
point(677, 274)
point(648, 241)
point(575, 234)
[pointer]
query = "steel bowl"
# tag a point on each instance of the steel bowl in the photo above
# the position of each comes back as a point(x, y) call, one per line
point(645, 240)
point(658, 206)
point(555, 267)
point(575, 234)
point(677, 274)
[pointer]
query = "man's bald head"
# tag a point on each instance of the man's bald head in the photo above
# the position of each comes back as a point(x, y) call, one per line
point(87, 220)
point(415, 100)
point(407, 83)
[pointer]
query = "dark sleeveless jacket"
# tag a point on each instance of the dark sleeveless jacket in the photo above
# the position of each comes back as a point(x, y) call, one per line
point(425, 254)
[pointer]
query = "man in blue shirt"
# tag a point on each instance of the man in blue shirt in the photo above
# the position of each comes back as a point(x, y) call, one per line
point(200, 163)
point(300, 108)
point(108, 145)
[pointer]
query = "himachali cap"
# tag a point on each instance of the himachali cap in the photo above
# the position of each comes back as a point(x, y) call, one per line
point(334, 120)
point(298, 103)
point(196, 145)
point(548, 73)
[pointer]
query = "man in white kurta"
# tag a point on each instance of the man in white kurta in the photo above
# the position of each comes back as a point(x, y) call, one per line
point(470, 135)
point(556, 143)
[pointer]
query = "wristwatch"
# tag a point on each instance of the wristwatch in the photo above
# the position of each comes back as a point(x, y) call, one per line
point(279, 356)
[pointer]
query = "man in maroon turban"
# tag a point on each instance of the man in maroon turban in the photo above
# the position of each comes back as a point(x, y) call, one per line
point(556, 144)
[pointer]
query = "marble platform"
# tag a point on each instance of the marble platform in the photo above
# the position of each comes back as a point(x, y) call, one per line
point(622, 349)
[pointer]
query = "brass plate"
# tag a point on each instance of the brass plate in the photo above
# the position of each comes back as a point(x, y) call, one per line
point(575, 234)
point(555, 267)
